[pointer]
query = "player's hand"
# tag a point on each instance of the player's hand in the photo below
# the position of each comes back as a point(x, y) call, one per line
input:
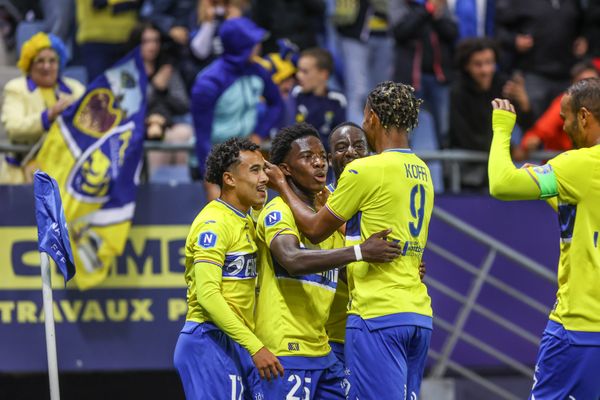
point(378, 250)
point(276, 176)
point(321, 199)
point(267, 364)
point(503, 104)
point(529, 165)
point(422, 270)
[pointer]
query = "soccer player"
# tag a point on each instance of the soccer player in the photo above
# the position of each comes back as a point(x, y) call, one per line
point(347, 142)
point(217, 347)
point(297, 279)
point(389, 326)
point(568, 360)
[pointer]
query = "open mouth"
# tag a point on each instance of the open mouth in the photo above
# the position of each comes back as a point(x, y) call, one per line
point(320, 176)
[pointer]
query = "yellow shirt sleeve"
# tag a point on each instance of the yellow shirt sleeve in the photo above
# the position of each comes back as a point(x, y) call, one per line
point(572, 169)
point(21, 125)
point(506, 181)
point(278, 220)
point(208, 290)
point(351, 192)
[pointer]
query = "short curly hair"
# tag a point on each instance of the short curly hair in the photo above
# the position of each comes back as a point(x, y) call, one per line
point(223, 156)
point(395, 104)
point(282, 143)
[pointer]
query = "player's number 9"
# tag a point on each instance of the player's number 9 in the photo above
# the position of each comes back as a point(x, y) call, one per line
point(417, 194)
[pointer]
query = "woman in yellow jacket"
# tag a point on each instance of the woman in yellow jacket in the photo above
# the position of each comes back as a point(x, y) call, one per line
point(32, 102)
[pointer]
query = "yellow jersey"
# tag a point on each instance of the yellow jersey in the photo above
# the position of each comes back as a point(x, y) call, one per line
point(338, 314)
point(577, 305)
point(223, 236)
point(292, 310)
point(388, 190)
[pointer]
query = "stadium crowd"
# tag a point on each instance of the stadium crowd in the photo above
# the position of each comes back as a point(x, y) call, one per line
point(240, 68)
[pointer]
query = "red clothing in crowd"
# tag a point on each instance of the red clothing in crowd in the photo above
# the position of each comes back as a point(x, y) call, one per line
point(549, 129)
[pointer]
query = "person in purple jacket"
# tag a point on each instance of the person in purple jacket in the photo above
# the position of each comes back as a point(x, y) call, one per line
point(226, 93)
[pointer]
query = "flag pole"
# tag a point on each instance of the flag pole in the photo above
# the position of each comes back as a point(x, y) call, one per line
point(49, 325)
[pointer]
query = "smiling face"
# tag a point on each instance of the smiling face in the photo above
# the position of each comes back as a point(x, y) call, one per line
point(306, 164)
point(44, 68)
point(248, 178)
point(347, 144)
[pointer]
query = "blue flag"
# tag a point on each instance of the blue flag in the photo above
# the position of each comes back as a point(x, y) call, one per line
point(53, 237)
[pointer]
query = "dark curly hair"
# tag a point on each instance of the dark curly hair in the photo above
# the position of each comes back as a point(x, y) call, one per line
point(467, 47)
point(223, 156)
point(282, 143)
point(395, 104)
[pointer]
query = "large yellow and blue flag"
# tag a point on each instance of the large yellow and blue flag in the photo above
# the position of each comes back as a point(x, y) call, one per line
point(94, 151)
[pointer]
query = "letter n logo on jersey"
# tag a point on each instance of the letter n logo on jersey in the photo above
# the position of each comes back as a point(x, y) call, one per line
point(207, 240)
point(272, 218)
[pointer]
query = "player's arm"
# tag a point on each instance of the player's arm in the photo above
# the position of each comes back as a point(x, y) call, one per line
point(315, 226)
point(210, 297)
point(209, 257)
point(506, 181)
point(297, 261)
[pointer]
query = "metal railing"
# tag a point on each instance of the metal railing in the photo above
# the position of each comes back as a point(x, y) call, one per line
point(452, 159)
point(469, 305)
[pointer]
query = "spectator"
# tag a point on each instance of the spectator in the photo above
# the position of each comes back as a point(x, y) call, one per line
point(296, 20)
point(205, 44)
point(33, 102)
point(477, 85)
point(171, 17)
point(425, 32)
point(283, 74)
point(167, 98)
point(226, 94)
point(312, 101)
point(103, 29)
point(541, 38)
point(547, 133)
point(366, 49)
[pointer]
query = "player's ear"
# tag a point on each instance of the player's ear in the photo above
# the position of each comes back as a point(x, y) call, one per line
point(228, 179)
point(285, 169)
point(583, 115)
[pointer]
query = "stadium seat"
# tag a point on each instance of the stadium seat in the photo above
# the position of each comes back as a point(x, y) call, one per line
point(77, 72)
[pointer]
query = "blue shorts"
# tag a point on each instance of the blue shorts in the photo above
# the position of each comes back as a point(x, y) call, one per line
point(338, 350)
point(211, 365)
point(385, 363)
point(565, 370)
point(310, 382)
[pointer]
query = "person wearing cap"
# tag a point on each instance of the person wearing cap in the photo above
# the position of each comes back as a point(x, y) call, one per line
point(226, 94)
point(32, 102)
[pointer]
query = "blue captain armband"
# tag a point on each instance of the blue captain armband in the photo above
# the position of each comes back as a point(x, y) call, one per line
point(546, 180)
